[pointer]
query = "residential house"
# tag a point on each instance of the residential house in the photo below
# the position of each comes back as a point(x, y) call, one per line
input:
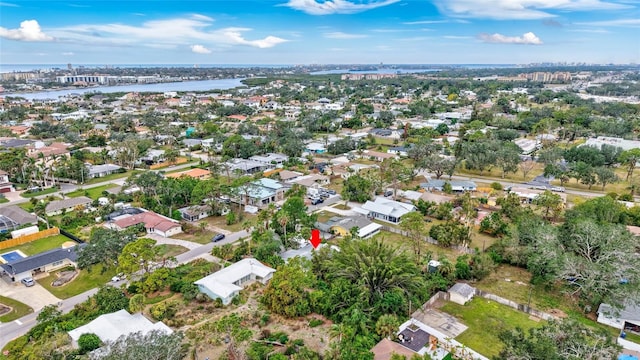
point(312, 181)
point(627, 317)
point(195, 212)
point(153, 156)
point(289, 176)
point(153, 223)
point(110, 327)
point(341, 226)
point(386, 348)
point(402, 151)
point(245, 166)
point(377, 155)
point(13, 217)
point(315, 148)
point(386, 210)
point(528, 196)
point(97, 171)
point(70, 204)
point(191, 143)
point(197, 173)
point(41, 264)
point(271, 159)
point(458, 186)
point(5, 185)
point(260, 193)
point(226, 283)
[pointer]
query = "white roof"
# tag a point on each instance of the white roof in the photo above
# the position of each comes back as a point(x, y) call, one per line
point(388, 207)
point(222, 281)
point(110, 327)
point(373, 227)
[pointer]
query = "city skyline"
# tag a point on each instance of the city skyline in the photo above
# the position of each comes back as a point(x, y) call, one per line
point(321, 32)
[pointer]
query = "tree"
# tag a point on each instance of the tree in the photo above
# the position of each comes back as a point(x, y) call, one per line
point(508, 157)
point(137, 256)
point(630, 158)
point(154, 345)
point(88, 342)
point(526, 167)
point(48, 313)
point(387, 325)
point(136, 303)
point(286, 292)
point(109, 299)
point(439, 165)
point(605, 175)
point(598, 258)
point(413, 224)
point(356, 188)
point(104, 246)
point(551, 204)
point(558, 340)
point(376, 268)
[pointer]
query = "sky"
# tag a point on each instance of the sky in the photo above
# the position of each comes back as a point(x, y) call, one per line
point(299, 32)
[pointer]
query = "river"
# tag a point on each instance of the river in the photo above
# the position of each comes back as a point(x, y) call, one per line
point(200, 85)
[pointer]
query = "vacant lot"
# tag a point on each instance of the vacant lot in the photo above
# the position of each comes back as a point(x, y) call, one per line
point(40, 245)
point(18, 309)
point(93, 193)
point(486, 319)
point(86, 280)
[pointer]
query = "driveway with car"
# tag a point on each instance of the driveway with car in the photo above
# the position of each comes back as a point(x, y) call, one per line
point(35, 296)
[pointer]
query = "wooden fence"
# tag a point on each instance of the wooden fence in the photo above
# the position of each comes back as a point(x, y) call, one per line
point(29, 238)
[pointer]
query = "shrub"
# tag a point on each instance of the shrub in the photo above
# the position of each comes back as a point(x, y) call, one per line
point(164, 310)
point(315, 322)
point(88, 342)
point(496, 186)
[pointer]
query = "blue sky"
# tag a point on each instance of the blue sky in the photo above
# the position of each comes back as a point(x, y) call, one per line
point(319, 31)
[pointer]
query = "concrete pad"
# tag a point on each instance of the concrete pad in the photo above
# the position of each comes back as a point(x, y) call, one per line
point(440, 321)
point(35, 296)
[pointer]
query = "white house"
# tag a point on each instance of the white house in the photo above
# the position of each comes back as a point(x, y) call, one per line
point(386, 209)
point(460, 293)
point(630, 315)
point(226, 283)
point(109, 327)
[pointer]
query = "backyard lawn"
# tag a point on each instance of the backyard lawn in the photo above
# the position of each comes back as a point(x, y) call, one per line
point(18, 309)
point(93, 193)
point(405, 244)
point(84, 281)
point(40, 245)
point(486, 319)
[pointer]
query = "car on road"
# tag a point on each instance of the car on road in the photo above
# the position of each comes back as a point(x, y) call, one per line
point(28, 282)
point(217, 237)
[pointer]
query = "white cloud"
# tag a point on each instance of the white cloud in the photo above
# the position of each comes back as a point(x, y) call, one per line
point(8, 4)
point(166, 33)
point(618, 22)
point(526, 39)
point(422, 22)
point(68, 53)
point(199, 49)
point(29, 30)
point(521, 9)
point(313, 7)
point(341, 35)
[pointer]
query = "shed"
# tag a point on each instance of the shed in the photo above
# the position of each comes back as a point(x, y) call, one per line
point(460, 293)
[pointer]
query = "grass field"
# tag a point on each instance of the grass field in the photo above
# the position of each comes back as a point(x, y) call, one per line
point(405, 244)
point(93, 193)
point(40, 245)
point(486, 319)
point(197, 237)
point(19, 309)
point(3, 200)
point(84, 281)
point(171, 250)
point(43, 192)
point(113, 177)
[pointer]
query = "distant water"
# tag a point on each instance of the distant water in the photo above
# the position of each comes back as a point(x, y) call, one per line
point(202, 85)
point(33, 67)
point(409, 70)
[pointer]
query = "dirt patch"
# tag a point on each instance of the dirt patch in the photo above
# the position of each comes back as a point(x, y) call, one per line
point(557, 313)
point(64, 277)
point(4, 309)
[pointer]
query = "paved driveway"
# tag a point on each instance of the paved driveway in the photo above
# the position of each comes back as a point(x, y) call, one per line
point(35, 296)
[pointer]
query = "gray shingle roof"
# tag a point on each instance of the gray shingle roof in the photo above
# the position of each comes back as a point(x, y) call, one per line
point(18, 215)
point(463, 289)
point(67, 203)
point(42, 259)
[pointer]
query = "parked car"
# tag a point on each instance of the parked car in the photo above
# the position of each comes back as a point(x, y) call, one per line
point(217, 237)
point(28, 282)
point(316, 201)
point(118, 277)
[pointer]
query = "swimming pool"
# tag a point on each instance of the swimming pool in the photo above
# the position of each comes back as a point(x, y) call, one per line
point(627, 357)
point(11, 256)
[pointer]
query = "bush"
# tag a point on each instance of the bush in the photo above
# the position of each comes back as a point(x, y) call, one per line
point(88, 342)
point(315, 322)
point(164, 310)
point(496, 186)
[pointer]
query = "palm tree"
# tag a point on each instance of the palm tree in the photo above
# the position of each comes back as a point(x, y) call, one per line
point(283, 220)
point(387, 325)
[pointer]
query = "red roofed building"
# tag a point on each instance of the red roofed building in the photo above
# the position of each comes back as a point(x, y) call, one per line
point(153, 223)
